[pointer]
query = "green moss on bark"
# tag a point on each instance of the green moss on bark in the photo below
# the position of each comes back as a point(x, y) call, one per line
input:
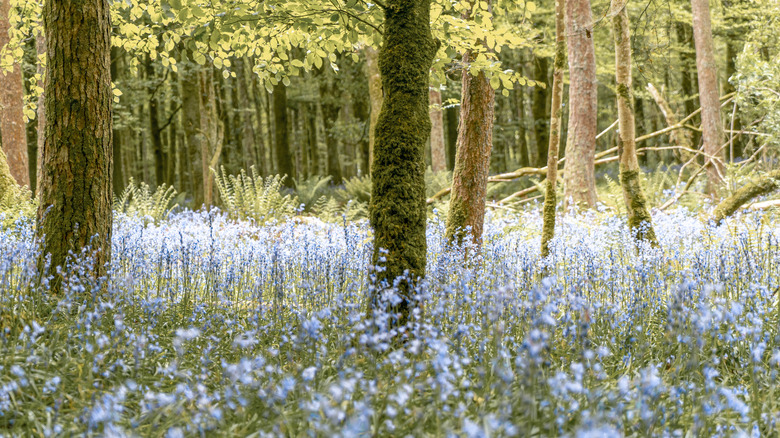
point(758, 187)
point(548, 225)
point(398, 210)
point(639, 219)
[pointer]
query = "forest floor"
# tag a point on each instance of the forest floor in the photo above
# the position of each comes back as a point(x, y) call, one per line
point(213, 327)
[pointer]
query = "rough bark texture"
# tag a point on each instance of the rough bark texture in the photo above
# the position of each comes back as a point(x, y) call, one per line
point(375, 94)
point(12, 127)
point(639, 219)
point(438, 155)
point(579, 174)
point(284, 162)
point(707, 68)
point(761, 186)
point(75, 188)
point(550, 201)
point(472, 160)
point(397, 211)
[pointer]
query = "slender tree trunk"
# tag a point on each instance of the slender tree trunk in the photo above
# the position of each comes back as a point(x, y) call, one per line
point(12, 126)
point(331, 103)
point(707, 68)
point(154, 122)
point(313, 138)
point(75, 190)
point(556, 105)
point(284, 163)
point(190, 120)
point(375, 94)
point(212, 130)
point(398, 210)
point(362, 107)
point(173, 134)
point(639, 219)
point(540, 112)
point(438, 158)
point(246, 117)
point(687, 70)
point(452, 136)
point(579, 175)
point(522, 132)
point(472, 161)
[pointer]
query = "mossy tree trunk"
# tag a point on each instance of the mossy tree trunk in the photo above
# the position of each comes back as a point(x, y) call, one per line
point(398, 210)
point(758, 187)
point(579, 174)
point(8, 185)
point(472, 159)
point(12, 126)
point(707, 68)
point(550, 201)
point(75, 188)
point(639, 219)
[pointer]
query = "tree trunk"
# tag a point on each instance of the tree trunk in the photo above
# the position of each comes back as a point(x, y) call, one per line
point(758, 187)
point(12, 126)
point(75, 188)
point(314, 150)
point(522, 132)
point(212, 130)
point(556, 105)
point(707, 68)
point(118, 178)
point(284, 164)
point(579, 175)
point(8, 186)
point(397, 211)
point(472, 161)
point(154, 122)
point(246, 112)
point(40, 51)
point(539, 111)
point(173, 135)
point(688, 65)
point(375, 94)
point(190, 120)
point(331, 103)
point(438, 158)
point(639, 219)
point(679, 137)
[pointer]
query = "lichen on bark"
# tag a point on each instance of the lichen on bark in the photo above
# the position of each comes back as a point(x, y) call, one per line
point(398, 210)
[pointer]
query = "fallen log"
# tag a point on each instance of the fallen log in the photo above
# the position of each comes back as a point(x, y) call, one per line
point(762, 185)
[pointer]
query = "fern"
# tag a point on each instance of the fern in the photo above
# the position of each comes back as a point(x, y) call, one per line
point(139, 200)
point(331, 210)
point(310, 189)
point(246, 197)
point(357, 189)
point(16, 203)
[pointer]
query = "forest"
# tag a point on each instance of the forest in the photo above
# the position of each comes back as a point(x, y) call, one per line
point(354, 218)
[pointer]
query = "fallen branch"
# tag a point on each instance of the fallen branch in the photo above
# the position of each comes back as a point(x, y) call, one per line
point(763, 185)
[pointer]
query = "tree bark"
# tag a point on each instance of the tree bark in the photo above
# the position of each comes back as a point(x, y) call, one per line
point(760, 186)
point(212, 130)
point(284, 163)
point(331, 103)
point(707, 68)
point(472, 160)
point(579, 176)
point(639, 219)
point(154, 122)
point(190, 120)
point(75, 190)
point(452, 136)
point(12, 126)
point(397, 210)
point(539, 111)
point(438, 158)
point(556, 105)
point(375, 94)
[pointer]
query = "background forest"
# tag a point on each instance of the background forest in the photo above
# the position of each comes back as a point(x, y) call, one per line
point(353, 218)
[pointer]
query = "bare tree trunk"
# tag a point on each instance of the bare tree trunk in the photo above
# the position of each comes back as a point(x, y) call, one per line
point(375, 94)
point(579, 175)
point(707, 68)
point(550, 201)
point(190, 120)
point(438, 158)
point(75, 189)
point(639, 219)
point(12, 126)
point(154, 121)
point(472, 160)
point(282, 135)
point(212, 130)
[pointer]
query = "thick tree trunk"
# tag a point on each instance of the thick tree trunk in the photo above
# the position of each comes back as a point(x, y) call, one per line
point(760, 186)
point(190, 120)
point(556, 105)
point(375, 94)
point(75, 190)
point(539, 111)
point(438, 158)
point(12, 126)
point(284, 163)
point(579, 175)
point(639, 219)
point(472, 161)
point(707, 68)
point(397, 210)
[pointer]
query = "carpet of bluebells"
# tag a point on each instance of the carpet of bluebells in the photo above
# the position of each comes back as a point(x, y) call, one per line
point(211, 327)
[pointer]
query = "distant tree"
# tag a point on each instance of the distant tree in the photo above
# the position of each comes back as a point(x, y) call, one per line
point(75, 187)
point(12, 123)
point(438, 148)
